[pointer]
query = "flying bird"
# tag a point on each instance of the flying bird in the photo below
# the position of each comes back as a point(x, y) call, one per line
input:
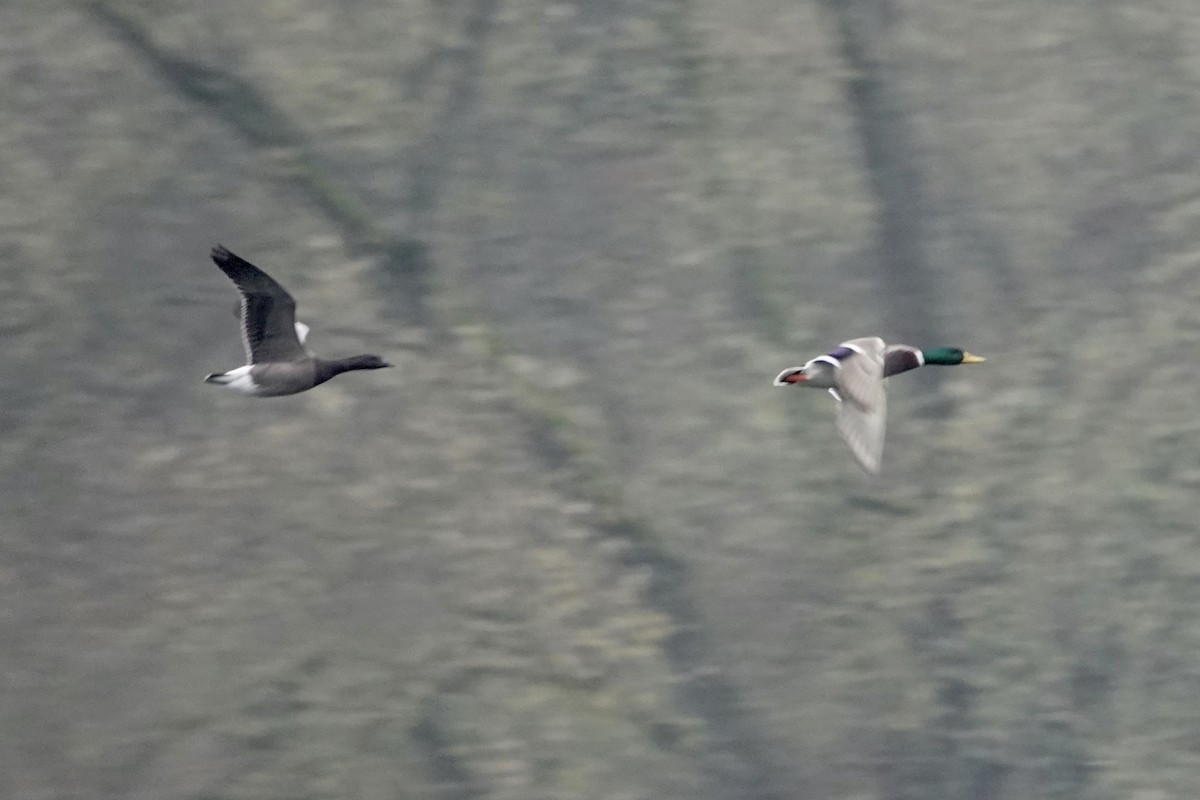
point(856, 373)
point(279, 363)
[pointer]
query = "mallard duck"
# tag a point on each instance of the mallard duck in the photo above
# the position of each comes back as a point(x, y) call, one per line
point(856, 373)
point(279, 363)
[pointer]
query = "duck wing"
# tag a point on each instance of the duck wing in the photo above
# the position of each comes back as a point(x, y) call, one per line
point(268, 312)
point(859, 375)
point(863, 432)
point(862, 395)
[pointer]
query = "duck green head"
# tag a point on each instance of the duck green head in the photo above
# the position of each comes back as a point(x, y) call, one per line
point(950, 356)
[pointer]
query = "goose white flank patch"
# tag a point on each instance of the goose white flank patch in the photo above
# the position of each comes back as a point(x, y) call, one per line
point(278, 362)
point(856, 373)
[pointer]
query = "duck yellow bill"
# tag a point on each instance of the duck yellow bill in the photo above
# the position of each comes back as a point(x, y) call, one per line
point(970, 359)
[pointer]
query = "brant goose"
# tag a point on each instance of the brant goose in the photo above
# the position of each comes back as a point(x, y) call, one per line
point(280, 364)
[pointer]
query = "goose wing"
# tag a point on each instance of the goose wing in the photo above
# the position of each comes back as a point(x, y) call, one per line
point(268, 312)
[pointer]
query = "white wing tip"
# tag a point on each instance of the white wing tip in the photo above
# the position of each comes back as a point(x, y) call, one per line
point(870, 467)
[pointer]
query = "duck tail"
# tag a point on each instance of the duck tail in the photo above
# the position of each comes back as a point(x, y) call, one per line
point(790, 376)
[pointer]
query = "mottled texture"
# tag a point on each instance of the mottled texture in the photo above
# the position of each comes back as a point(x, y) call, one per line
point(535, 561)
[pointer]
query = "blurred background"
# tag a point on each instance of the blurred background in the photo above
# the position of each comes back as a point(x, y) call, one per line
point(576, 545)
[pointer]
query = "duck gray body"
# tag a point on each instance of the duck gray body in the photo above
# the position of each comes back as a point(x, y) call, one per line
point(856, 373)
point(279, 363)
